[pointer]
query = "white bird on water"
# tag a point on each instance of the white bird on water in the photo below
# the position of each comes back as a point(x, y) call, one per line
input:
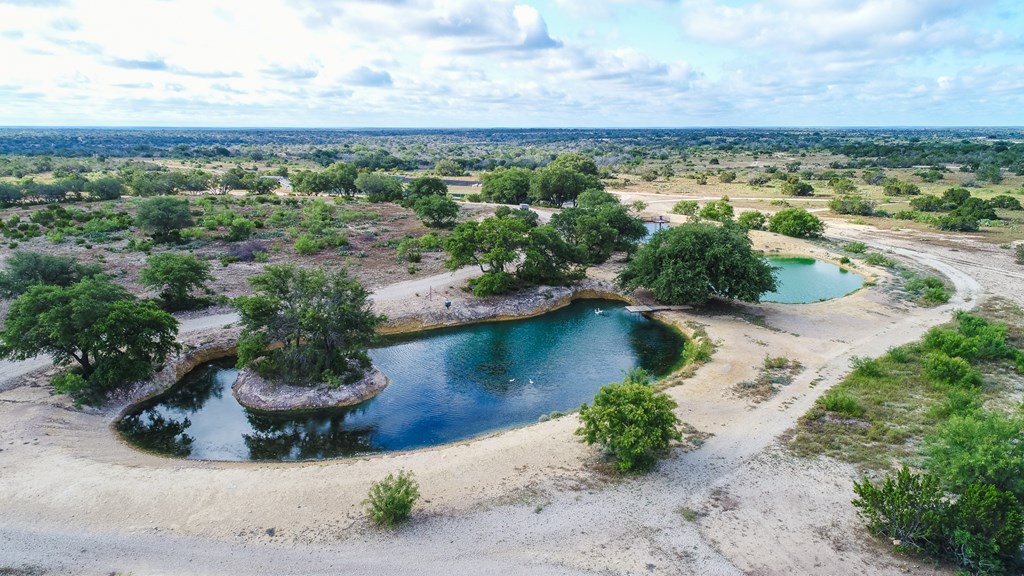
point(512, 380)
point(531, 380)
point(598, 311)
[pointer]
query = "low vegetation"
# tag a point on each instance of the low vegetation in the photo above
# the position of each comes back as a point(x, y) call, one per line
point(936, 405)
point(631, 422)
point(390, 501)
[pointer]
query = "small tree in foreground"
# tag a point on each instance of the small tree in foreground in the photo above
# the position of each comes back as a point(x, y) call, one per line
point(631, 421)
point(390, 500)
point(177, 277)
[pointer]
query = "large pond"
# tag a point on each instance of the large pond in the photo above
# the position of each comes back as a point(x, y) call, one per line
point(446, 385)
point(805, 280)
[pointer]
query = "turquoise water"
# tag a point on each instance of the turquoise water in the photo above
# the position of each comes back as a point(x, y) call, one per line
point(446, 385)
point(806, 280)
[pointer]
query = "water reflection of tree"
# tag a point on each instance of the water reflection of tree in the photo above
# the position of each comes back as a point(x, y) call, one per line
point(657, 347)
point(310, 436)
point(197, 388)
point(160, 434)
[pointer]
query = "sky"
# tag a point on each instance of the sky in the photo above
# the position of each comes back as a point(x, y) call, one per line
point(511, 63)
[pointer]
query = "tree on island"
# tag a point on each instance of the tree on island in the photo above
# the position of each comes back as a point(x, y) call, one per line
point(307, 327)
point(112, 337)
point(690, 263)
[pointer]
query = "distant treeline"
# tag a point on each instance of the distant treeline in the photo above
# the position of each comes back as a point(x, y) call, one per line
point(480, 149)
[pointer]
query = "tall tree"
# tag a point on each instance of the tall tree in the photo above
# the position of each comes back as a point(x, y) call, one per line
point(690, 263)
point(112, 337)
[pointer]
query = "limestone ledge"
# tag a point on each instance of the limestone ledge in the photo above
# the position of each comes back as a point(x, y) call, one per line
point(196, 349)
point(255, 392)
point(525, 303)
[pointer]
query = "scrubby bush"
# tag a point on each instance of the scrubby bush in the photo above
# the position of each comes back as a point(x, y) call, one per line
point(851, 204)
point(1005, 202)
point(927, 203)
point(752, 220)
point(491, 283)
point(855, 247)
point(391, 500)
point(894, 187)
point(177, 277)
point(307, 244)
point(938, 368)
point(796, 222)
point(909, 509)
point(985, 529)
point(240, 229)
point(840, 402)
point(793, 186)
point(930, 290)
point(686, 207)
point(981, 530)
point(25, 269)
point(632, 422)
point(978, 448)
point(876, 259)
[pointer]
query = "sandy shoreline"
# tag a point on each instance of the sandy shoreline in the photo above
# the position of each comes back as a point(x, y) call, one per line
point(78, 500)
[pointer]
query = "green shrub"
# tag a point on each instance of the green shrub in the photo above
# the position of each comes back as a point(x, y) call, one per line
point(852, 204)
point(685, 207)
point(959, 402)
point(938, 368)
point(796, 222)
point(840, 402)
point(240, 229)
point(409, 250)
point(391, 500)
point(855, 247)
point(869, 367)
point(978, 448)
point(876, 259)
point(987, 529)
point(752, 220)
point(909, 509)
point(632, 422)
point(307, 244)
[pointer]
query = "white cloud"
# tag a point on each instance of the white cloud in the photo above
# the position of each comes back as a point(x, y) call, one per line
point(467, 62)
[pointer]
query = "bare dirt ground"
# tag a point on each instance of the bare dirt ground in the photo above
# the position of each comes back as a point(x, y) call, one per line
point(533, 500)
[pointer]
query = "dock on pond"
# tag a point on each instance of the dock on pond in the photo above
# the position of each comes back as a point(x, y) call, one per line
point(642, 309)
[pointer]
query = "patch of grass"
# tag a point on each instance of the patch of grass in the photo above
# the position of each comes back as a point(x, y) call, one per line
point(840, 402)
point(876, 259)
point(855, 247)
point(775, 373)
point(928, 290)
point(880, 413)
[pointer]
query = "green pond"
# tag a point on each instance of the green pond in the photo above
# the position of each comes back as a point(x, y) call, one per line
point(806, 280)
point(446, 385)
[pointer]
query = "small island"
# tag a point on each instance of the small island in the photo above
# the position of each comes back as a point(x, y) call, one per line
point(304, 339)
